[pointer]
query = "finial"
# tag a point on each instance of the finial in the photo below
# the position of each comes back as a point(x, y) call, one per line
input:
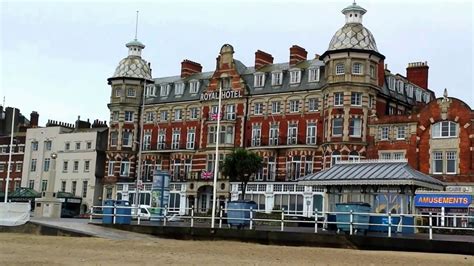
point(136, 27)
point(445, 94)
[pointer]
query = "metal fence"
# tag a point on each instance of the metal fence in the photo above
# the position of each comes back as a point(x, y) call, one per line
point(284, 221)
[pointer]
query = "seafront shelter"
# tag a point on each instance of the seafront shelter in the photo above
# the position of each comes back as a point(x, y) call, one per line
point(387, 185)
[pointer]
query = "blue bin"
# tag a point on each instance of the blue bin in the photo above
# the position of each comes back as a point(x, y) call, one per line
point(344, 219)
point(237, 211)
point(383, 220)
point(108, 212)
point(127, 212)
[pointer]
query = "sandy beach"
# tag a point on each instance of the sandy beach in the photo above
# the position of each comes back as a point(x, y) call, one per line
point(23, 249)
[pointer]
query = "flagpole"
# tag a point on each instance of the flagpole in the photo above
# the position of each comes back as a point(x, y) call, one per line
point(216, 163)
point(10, 155)
point(140, 148)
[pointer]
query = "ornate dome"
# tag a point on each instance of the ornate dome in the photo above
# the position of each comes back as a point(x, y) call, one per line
point(133, 67)
point(353, 36)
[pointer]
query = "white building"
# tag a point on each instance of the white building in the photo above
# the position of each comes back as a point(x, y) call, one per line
point(80, 159)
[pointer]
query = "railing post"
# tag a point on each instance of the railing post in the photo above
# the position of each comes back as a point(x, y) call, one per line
point(115, 212)
point(90, 215)
point(316, 220)
point(165, 213)
point(351, 219)
point(251, 218)
point(282, 219)
point(192, 216)
point(138, 216)
point(389, 224)
point(220, 218)
point(401, 223)
point(431, 226)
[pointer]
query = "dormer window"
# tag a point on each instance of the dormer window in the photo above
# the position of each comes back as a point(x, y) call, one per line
point(277, 78)
point(178, 88)
point(164, 90)
point(400, 86)
point(225, 84)
point(340, 69)
point(391, 83)
point(313, 74)
point(150, 91)
point(426, 97)
point(418, 95)
point(410, 90)
point(259, 80)
point(193, 86)
point(357, 69)
point(295, 76)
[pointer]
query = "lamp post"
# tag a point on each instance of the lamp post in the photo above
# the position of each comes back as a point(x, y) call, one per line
point(10, 155)
point(216, 163)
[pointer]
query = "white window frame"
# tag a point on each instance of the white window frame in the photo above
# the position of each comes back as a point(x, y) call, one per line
point(357, 68)
point(384, 133)
point(277, 78)
point(451, 156)
point(276, 107)
point(161, 141)
point(193, 113)
point(111, 168)
point(338, 98)
point(314, 74)
point(164, 90)
point(273, 134)
point(150, 117)
point(230, 112)
point(340, 69)
point(259, 80)
point(356, 125)
point(131, 93)
point(292, 138)
point(401, 86)
point(258, 108)
point(147, 141)
point(401, 132)
point(356, 98)
point(294, 106)
point(115, 116)
point(194, 86)
point(150, 90)
point(113, 138)
point(311, 133)
point(437, 156)
point(295, 76)
point(129, 115)
point(338, 127)
point(87, 166)
point(313, 104)
point(190, 139)
point(175, 139)
point(178, 88)
point(129, 139)
point(437, 130)
point(124, 168)
point(256, 135)
point(178, 114)
point(164, 113)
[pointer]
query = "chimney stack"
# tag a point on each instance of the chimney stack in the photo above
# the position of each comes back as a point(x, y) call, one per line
point(417, 73)
point(34, 117)
point(297, 54)
point(189, 67)
point(262, 59)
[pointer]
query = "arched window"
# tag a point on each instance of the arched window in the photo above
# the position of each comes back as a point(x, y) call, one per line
point(444, 129)
point(354, 156)
point(335, 157)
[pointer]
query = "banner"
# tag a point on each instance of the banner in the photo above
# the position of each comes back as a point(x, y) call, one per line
point(14, 213)
point(160, 193)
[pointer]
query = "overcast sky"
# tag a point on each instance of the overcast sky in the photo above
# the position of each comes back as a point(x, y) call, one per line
point(56, 56)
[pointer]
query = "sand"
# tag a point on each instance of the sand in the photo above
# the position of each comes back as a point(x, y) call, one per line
point(23, 249)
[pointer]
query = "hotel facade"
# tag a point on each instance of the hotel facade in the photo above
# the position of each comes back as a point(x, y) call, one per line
point(300, 116)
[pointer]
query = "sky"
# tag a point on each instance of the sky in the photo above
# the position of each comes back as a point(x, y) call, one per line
point(56, 56)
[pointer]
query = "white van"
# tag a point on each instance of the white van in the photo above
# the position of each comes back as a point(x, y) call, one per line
point(143, 212)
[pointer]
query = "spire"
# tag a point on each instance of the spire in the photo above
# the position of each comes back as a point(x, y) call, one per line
point(354, 13)
point(135, 47)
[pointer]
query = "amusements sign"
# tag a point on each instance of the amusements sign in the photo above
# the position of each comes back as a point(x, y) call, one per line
point(228, 94)
point(443, 200)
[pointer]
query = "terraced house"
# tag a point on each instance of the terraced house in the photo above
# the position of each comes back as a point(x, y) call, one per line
point(301, 116)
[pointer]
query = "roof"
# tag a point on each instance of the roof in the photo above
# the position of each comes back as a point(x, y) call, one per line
point(353, 36)
point(354, 7)
point(132, 67)
point(135, 42)
point(23, 192)
point(378, 172)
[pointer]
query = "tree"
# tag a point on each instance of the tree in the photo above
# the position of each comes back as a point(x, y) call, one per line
point(240, 165)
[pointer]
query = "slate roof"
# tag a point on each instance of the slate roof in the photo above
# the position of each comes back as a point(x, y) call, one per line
point(372, 173)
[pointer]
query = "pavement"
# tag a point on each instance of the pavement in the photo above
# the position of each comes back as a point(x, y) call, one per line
point(83, 226)
point(94, 229)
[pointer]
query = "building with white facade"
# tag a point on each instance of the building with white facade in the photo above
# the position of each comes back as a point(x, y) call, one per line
point(80, 159)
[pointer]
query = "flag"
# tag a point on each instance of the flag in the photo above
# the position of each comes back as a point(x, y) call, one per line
point(206, 175)
point(215, 115)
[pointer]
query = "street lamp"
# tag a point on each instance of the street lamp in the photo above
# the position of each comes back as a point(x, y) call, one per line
point(49, 205)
